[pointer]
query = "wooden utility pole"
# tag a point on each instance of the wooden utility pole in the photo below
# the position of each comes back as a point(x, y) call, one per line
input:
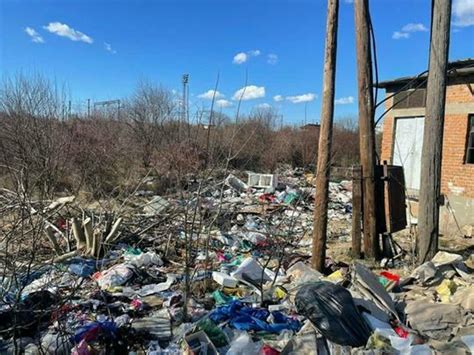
point(428, 218)
point(325, 140)
point(356, 211)
point(366, 126)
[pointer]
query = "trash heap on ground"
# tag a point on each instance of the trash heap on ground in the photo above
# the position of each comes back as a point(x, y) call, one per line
point(227, 271)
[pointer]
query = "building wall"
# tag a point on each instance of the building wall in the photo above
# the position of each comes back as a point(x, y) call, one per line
point(456, 177)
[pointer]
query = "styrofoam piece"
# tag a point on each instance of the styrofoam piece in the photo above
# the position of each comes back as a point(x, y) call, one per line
point(224, 279)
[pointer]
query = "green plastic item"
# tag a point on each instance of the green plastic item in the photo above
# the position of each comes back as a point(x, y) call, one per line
point(384, 281)
point(133, 251)
point(245, 246)
point(215, 334)
point(236, 262)
point(290, 198)
point(221, 298)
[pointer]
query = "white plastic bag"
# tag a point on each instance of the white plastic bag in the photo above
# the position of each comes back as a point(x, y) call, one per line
point(143, 259)
point(243, 345)
point(117, 275)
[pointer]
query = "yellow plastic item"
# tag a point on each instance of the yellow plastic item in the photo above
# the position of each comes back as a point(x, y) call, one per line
point(446, 289)
point(336, 276)
point(279, 292)
point(238, 291)
point(113, 289)
point(378, 341)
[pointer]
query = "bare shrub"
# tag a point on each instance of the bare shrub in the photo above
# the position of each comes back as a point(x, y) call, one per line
point(33, 141)
point(50, 150)
point(346, 142)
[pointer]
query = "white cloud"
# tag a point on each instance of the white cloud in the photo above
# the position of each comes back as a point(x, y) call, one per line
point(264, 106)
point(278, 98)
point(63, 30)
point(249, 93)
point(463, 11)
point(272, 58)
point(35, 36)
point(414, 27)
point(254, 52)
point(344, 100)
point(223, 103)
point(302, 98)
point(409, 28)
point(209, 95)
point(108, 48)
point(240, 58)
point(400, 35)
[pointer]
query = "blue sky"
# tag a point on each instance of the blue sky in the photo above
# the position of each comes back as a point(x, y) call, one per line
point(101, 49)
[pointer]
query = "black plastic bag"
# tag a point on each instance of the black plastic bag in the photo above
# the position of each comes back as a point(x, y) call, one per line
point(332, 310)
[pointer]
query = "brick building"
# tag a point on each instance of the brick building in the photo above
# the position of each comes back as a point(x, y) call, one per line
point(403, 140)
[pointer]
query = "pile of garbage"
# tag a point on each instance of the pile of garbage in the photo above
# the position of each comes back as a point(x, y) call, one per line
point(226, 271)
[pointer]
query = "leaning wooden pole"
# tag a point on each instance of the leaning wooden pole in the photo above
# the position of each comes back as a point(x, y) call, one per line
point(430, 184)
point(366, 127)
point(325, 140)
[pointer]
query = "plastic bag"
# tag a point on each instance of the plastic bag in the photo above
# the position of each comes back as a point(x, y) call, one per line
point(242, 317)
point(93, 330)
point(217, 336)
point(221, 298)
point(243, 344)
point(143, 259)
point(331, 309)
point(115, 276)
point(250, 270)
point(82, 267)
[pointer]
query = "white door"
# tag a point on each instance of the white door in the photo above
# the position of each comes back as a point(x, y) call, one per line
point(407, 148)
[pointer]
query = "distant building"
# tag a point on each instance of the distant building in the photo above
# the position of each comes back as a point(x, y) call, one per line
point(403, 139)
point(311, 127)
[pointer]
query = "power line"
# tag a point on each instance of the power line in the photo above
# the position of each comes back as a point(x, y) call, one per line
point(405, 87)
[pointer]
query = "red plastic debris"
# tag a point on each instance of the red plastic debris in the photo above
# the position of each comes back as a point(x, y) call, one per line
point(401, 332)
point(136, 304)
point(390, 276)
point(267, 198)
point(268, 350)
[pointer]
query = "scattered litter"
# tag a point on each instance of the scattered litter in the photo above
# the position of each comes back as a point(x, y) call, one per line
point(225, 269)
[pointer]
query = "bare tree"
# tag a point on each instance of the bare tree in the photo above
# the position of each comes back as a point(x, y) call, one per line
point(32, 139)
point(149, 111)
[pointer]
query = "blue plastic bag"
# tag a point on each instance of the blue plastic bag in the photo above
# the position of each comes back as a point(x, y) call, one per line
point(93, 330)
point(242, 317)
